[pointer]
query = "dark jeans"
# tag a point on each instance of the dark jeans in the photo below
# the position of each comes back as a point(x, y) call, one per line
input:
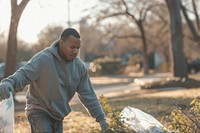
point(41, 122)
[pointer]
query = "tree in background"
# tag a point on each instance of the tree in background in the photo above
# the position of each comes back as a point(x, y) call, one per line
point(16, 12)
point(177, 56)
point(97, 42)
point(2, 47)
point(158, 33)
point(195, 5)
point(135, 11)
point(47, 36)
point(194, 29)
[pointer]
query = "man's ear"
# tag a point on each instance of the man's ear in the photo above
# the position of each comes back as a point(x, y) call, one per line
point(61, 41)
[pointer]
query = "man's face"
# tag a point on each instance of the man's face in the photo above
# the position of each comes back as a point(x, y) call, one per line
point(69, 48)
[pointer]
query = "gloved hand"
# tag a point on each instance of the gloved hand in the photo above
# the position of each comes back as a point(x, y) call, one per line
point(104, 125)
point(5, 88)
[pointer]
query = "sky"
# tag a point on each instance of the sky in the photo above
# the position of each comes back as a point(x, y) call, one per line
point(40, 13)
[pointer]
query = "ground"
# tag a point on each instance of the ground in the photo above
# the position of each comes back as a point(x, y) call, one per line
point(157, 99)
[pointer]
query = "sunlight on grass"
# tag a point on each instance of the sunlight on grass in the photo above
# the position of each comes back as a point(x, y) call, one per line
point(78, 122)
point(21, 123)
point(158, 104)
point(75, 122)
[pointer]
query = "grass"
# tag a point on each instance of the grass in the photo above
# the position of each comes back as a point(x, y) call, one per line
point(156, 102)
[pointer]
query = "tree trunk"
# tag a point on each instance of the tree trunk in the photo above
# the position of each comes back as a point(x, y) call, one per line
point(178, 60)
point(16, 11)
point(144, 49)
point(11, 49)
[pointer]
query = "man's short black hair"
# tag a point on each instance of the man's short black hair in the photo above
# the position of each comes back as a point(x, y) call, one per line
point(69, 31)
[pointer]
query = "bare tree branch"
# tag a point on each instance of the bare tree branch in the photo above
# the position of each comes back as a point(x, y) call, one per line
point(127, 11)
point(196, 14)
point(127, 36)
point(22, 5)
point(191, 26)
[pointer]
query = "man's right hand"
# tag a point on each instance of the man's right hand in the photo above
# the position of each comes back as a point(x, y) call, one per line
point(5, 88)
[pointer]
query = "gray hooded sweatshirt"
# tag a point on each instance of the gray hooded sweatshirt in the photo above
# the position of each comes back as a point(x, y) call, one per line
point(53, 83)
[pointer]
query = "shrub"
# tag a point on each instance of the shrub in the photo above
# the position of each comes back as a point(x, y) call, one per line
point(114, 119)
point(185, 120)
point(181, 119)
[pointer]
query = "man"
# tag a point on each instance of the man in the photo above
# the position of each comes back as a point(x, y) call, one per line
point(55, 75)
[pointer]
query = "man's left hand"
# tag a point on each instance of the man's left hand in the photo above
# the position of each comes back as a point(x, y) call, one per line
point(104, 126)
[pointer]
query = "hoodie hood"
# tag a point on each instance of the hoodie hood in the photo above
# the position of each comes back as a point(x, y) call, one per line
point(54, 50)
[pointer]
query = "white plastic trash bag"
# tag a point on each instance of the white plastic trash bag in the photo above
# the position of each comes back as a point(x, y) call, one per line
point(7, 115)
point(140, 122)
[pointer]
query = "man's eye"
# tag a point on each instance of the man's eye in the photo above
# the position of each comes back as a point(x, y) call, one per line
point(73, 47)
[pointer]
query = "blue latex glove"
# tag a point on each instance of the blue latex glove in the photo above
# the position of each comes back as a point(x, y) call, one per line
point(5, 89)
point(104, 126)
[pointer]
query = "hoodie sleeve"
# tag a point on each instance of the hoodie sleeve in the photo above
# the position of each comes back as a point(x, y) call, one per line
point(89, 99)
point(25, 75)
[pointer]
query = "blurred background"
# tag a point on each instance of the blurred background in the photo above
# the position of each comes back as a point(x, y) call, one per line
point(118, 36)
point(139, 53)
